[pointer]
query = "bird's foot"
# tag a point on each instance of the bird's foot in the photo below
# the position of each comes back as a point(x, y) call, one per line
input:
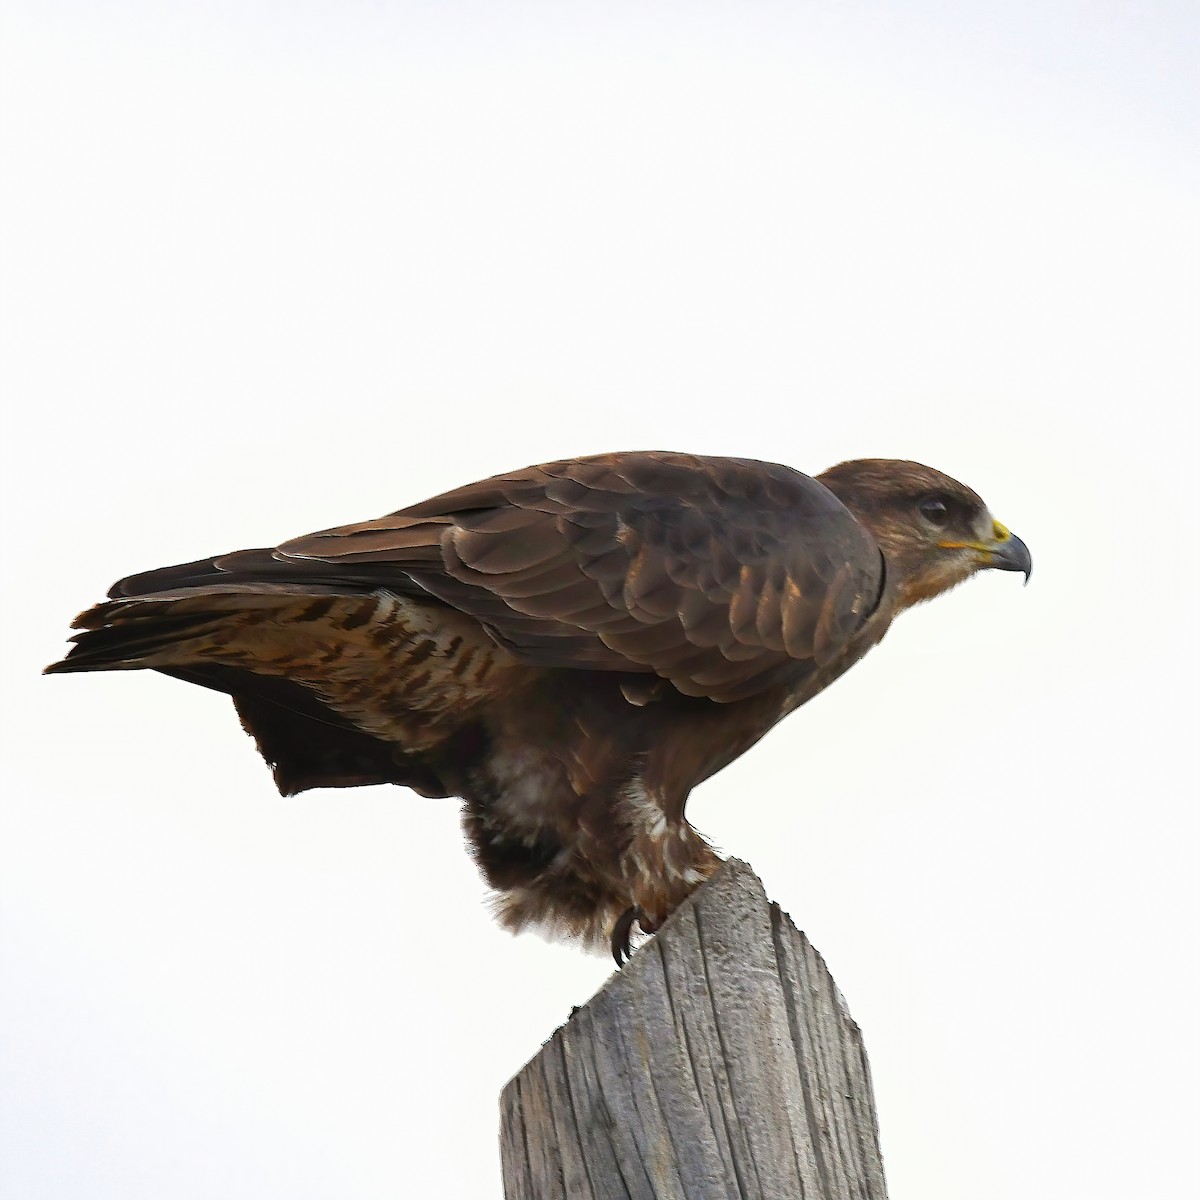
point(622, 952)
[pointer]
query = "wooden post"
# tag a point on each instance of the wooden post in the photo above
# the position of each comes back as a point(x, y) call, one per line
point(721, 1062)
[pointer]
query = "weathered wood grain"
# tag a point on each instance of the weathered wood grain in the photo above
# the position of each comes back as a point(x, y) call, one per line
point(721, 1062)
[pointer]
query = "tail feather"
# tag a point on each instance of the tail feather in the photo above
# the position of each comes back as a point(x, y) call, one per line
point(194, 636)
point(121, 647)
point(149, 617)
point(122, 635)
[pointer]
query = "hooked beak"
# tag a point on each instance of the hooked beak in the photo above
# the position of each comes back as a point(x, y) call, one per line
point(1005, 552)
point(1008, 553)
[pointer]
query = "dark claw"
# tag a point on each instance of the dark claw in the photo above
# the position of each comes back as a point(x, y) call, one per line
point(621, 931)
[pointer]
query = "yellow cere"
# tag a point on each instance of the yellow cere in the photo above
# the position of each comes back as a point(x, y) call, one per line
point(1000, 532)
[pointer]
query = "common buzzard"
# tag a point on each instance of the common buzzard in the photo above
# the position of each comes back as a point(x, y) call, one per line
point(570, 648)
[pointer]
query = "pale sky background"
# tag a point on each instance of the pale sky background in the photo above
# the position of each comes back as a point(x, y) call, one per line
point(273, 267)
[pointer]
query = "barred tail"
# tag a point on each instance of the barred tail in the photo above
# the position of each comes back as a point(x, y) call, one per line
point(156, 631)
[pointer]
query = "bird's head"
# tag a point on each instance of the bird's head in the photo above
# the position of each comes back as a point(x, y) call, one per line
point(934, 531)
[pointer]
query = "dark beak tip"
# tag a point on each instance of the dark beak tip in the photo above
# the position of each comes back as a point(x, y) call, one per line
point(1016, 557)
point(1012, 555)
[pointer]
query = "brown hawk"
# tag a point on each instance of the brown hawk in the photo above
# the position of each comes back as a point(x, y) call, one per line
point(570, 648)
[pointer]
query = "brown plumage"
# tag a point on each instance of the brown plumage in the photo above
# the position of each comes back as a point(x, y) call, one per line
point(570, 648)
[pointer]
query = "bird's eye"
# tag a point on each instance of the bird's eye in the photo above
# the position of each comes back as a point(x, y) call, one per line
point(934, 511)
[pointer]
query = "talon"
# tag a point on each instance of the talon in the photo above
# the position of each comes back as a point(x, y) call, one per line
point(621, 931)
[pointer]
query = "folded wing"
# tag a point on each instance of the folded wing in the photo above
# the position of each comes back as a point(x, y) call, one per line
point(721, 575)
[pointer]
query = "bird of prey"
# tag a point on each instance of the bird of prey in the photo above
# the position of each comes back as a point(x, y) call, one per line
point(569, 648)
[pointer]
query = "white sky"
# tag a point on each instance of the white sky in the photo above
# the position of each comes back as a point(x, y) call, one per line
point(272, 267)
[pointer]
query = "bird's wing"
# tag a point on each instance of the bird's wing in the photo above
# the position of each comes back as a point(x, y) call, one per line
point(720, 575)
